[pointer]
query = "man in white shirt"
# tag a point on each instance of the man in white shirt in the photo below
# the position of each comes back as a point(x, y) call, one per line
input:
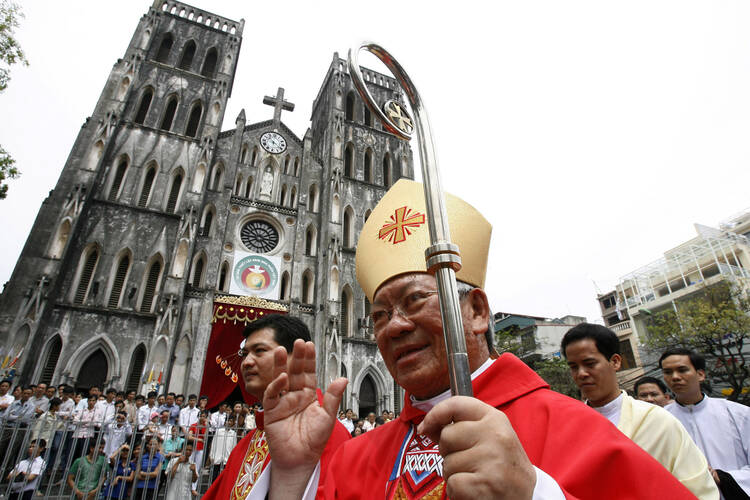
point(164, 427)
point(720, 428)
point(25, 475)
point(219, 417)
point(347, 420)
point(145, 411)
point(105, 409)
point(6, 398)
point(189, 414)
point(224, 441)
point(369, 422)
point(116, 433)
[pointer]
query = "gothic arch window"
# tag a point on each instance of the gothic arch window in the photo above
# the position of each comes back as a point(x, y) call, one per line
point(293, 197)
point(368, 117)
point(308, 287)
point(178, 268)
point(335, 209)
point(346, 311)
point(93, 371)
point(368, 166)
point(169, 112)
point(151, 282)
point(123, 89)
point(61, 239)
point(282, 197)
point(254, 157)
point(120, 276)
point(284, 293)
point(367, 214)
point(333, 286)
point(224, 277)
point(188, 53)
point(350, 106)
point(243, 154)
point(207, 220)
point(86, 270)
point(296, 166)
point(165, 47)
point(194, 120)
point(54, 346)
point(349, 161)
point(348, 237)
point(209, 63)
point(287, 163)
point(199, 266)
point(337, 147)
point(148, 184)
point(200, 176)
point(248, 187)
point(312, 199)
point(217, 176)
point(387, 181)
point(311, 240)
point(137, 362)
point(118, 176)
point(174, 191)
point(238, 186)
point(96, 153)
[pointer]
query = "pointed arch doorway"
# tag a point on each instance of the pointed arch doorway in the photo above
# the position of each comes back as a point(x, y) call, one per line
point(93, 372)
point(368, 397)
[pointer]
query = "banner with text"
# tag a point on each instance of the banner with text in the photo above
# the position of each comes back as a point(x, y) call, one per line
point(256, 275)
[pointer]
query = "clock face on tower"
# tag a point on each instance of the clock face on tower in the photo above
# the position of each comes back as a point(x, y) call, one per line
point(273, 142)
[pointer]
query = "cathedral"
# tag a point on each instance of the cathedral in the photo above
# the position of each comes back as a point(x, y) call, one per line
point(164, 231)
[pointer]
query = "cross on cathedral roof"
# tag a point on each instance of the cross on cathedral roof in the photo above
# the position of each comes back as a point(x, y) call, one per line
point(279, 104)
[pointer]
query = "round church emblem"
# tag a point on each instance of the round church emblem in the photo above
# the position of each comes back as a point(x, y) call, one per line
point(255, 274)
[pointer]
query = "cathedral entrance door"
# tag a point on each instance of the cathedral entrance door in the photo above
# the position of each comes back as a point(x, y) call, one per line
point(93, 372)
point(367, 397)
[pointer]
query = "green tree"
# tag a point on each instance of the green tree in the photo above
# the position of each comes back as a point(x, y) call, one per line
point(10, 54)
point(714, 322)
point(556, 373)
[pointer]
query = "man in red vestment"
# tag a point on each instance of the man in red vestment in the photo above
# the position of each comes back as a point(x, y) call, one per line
point(245, 475)
point(515, 440)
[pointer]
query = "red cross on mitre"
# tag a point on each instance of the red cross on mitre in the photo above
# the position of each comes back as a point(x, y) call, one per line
point(399, 226)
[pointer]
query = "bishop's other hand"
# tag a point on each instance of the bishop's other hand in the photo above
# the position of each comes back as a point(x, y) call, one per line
point(482, 456)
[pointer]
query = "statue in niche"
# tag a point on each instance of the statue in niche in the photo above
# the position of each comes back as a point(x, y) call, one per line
point(266, 183)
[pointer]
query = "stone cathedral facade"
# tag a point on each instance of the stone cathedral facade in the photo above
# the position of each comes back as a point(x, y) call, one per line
point(139, 236)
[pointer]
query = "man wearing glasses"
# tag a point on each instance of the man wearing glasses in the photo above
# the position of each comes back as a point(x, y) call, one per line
point(246, 474)
point(515, 440)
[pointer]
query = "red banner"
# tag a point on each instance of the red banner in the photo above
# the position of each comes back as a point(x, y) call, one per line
point(221, 370)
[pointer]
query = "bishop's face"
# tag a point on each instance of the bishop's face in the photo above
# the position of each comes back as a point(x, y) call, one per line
point(413, 347)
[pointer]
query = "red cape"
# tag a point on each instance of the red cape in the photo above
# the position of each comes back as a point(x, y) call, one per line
point(221, 488)
point(587, 456)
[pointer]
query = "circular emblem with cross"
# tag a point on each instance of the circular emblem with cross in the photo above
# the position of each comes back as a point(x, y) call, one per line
point(398, 116)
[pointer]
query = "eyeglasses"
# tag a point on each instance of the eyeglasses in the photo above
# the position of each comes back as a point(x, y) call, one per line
point(407, 308)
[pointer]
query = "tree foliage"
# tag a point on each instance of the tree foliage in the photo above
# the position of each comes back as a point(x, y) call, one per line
point(714, 322)
point(10, 54)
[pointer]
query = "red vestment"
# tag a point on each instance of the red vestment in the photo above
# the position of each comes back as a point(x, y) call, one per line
point(250, 457)
point(581, 450)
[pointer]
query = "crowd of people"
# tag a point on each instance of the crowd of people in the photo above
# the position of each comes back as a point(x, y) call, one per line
point(114, 444)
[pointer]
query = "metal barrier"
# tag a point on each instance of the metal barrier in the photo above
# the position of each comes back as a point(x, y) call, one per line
point(128, 463)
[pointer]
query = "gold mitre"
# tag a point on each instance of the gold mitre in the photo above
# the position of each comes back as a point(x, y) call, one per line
point(395, 236)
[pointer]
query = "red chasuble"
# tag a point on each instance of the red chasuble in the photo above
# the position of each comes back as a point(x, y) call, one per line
point(250, 457)
point(587, 456)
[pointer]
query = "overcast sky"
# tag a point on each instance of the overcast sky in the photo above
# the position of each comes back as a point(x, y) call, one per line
point(592, 134)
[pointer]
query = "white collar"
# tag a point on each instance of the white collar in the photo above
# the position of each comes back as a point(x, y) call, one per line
point(427, 404)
